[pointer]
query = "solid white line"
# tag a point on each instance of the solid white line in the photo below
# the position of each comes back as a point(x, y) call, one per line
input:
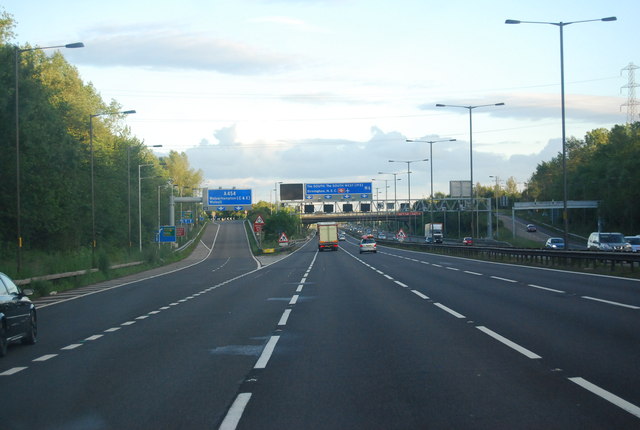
point(610, 302)
point(610, 397)
point(401, 284)
point(503, 279)
point(294, 299)
point(46, 357)
point(12, 371)
point(284, 317)
point(232, 418)
point(266, 353)
point(72, 346)
point(451, 311)
point(546, 288)
point(513, 345)
point(472, 273)
point(419, 294)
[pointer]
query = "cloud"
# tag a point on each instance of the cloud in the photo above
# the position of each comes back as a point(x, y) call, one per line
point(260, 164)
point(163, 48)
point(288, 22)
point(536, 107)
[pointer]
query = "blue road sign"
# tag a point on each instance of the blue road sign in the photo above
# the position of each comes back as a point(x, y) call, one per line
point(222, 199)
point(167, 233)
point(338, 188)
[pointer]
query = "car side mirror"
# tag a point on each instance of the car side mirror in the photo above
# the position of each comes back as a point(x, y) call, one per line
point(27, 292)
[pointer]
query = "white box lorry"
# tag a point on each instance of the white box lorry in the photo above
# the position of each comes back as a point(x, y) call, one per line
point(327, 236)
point(433, 232)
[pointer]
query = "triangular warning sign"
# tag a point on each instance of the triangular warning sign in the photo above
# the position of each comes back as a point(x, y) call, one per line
point(283, 238)
point(401, 233)
point(259, 220)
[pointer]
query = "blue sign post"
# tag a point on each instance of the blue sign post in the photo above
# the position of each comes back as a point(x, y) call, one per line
point(341, 190)
point(228, 200)
point(167, 234)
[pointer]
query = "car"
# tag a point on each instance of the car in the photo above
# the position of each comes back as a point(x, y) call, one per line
point(531, 228)
point(18, 320)
point(554, 243)
point(634, 241)
point(342, 236)
point(467, 241)
point(608, 242)
point(368, 244)
point(382, 236)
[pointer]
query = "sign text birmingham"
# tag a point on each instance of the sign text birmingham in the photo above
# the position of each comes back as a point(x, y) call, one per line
point(339, 188)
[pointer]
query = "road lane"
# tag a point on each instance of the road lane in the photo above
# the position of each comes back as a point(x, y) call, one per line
point(364, 352)
point(169, 352)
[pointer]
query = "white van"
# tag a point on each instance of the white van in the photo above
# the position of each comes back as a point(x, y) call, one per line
point(607, 242)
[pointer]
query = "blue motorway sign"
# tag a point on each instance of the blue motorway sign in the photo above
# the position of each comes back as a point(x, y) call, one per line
point(346, 190)
point(228, 199)
point(167, 233)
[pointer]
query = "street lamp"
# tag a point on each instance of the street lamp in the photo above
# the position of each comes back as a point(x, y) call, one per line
point(431, 142)
point(129, 187)
point(276, 196)
point(408, 174)
point(395, 187)
point(561, 25)
point(19, 51)
point(93, 199)
point(140, 204)
point(497, 191)
point(471, 108)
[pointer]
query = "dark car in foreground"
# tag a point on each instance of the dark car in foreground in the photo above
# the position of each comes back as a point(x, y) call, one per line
point(18, 320)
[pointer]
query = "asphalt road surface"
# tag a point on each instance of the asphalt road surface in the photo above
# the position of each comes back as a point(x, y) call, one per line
point(333, 340)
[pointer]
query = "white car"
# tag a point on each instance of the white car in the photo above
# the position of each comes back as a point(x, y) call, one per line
point(368, 244)
point(634, 241)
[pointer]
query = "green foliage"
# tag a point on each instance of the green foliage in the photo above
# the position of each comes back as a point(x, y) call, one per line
point(64, 128)
point(604, 167)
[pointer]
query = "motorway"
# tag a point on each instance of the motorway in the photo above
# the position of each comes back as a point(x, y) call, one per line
point(333, 340)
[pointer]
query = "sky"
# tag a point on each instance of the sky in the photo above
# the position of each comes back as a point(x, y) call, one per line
point(257, 92)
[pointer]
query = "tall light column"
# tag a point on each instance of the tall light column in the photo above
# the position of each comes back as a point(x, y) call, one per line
point(431, 142)
point(140, 204)
point(471, 108)
point(395, 187)
point(408, 174)
point(497, 191)
point(93, 195)
point(561, 25)
point(19, 51)
point(129, 188)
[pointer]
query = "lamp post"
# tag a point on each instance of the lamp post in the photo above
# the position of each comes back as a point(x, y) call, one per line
point(471, 108)
point(140, 204)
point(276, 196)
point(408, 174)
point(561, 25)
point(19, 51)
point(431, 142)
point(129, 188)
point(395, 187)
point(93, 199)
point(497, 191)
